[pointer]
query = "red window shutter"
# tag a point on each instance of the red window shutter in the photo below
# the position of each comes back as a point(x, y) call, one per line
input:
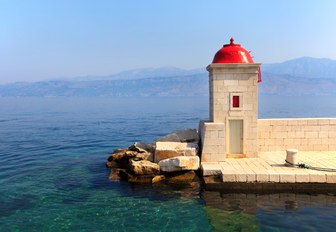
point(235, 101)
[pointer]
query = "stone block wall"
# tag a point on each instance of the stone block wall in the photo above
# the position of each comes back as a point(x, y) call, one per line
point(213, 141)
point(305, 134)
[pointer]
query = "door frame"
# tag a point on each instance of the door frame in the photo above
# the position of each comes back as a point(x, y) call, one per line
point(228, 119)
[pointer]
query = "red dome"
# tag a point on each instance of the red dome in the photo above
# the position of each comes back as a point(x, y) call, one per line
point(232, 53)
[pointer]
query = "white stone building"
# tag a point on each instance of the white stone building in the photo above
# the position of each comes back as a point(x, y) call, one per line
point(232, 127)
point(234, 130)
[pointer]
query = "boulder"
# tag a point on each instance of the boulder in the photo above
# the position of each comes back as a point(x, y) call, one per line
point(186, 177)
point(122, 156)
point(117, 154)
point(151, 150)
point(144, 167)
point(179, 163)
point(184, 136)
point(112, 164)
point(143, 151)
point(139, 145)
point(165, 150)
point(157, 179)
point(172, 137)
point(144, 179)
point(188, 136)
point(114, 174)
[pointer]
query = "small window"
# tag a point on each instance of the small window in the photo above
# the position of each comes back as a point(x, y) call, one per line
point(235, 101)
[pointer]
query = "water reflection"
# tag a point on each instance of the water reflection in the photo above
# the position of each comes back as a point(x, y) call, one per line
point(269, 212)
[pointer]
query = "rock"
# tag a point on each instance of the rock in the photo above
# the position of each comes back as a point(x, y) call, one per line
point(186, 177)
point(144, 179)
point(122, 156)
point(143, 153)
point(212, 180)
point(184, 136)
point(169, 138)
point(157, 179)
point(117, 154)
point(112, 164)
point(179, 163)
point(151, 150)
point(140, 145)
point(114, 174)
point(142, 156)
point(144, 167)
point(125, 175)
point(136, 148)
point(187, 136)
point(165, 150)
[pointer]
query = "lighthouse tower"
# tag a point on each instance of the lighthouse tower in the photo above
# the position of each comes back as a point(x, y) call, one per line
point(231, 130)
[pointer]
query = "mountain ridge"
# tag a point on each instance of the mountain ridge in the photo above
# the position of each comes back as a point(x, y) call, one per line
point(292, 77)
point(304, 67)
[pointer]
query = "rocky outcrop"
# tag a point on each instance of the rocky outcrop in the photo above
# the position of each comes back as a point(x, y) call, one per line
point(175, 158)
point(180, 163)
point(165, 150)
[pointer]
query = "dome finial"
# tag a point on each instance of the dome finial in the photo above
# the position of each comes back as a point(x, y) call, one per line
point(231, 41)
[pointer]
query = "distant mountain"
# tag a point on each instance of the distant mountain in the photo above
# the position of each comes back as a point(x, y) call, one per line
point(307, 67)
point(287, 85)
point(190, 85)
point(144, 73)
point(302, 76)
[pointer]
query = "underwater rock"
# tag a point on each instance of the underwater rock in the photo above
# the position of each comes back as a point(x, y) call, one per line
point(144, 179)
point(144, 167)
point(185, 177)
point(11, 206)
point(165, 150)
point(158, 178)
point(179, 163)
point(115, 174)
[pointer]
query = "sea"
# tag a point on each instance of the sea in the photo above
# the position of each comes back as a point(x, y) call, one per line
point(53, 175)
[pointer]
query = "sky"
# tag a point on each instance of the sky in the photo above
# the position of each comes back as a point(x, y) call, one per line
point(48, 39)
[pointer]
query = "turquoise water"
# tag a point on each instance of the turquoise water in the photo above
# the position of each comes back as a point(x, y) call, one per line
point(53, 177)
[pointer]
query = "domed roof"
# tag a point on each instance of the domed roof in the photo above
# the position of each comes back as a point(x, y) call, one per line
point(232, 53)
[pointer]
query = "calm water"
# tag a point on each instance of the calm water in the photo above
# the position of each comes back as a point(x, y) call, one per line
point(53, 178)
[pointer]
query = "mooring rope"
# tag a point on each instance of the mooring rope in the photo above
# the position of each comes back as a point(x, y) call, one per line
point(306, 166)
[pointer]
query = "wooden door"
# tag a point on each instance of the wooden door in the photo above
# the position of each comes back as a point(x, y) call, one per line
point(236, 137)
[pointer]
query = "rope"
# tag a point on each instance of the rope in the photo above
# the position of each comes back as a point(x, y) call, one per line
point(306, 166)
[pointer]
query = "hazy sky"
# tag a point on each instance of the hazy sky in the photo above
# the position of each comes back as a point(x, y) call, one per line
point(51, 39)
